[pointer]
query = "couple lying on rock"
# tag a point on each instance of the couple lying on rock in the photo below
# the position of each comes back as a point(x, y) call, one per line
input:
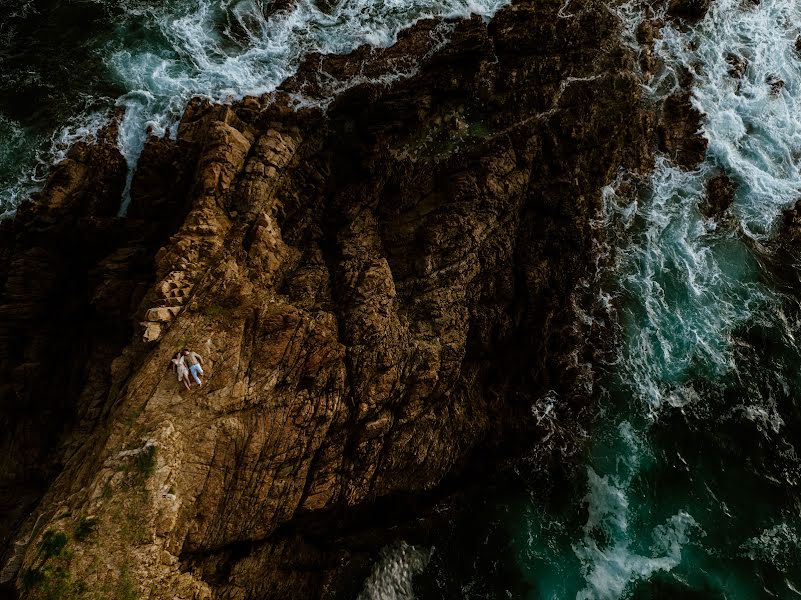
point(185, 363)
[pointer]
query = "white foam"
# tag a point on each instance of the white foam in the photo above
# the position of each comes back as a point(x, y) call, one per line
point(13, 142)
point(392, 575)
point(696, 283)
point(612, 565)
point(683, 284)
point(754, 135)
point(778, 545)
point(615, 569)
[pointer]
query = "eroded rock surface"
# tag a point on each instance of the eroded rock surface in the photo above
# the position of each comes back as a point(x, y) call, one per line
point(381, 291)
point(720, 190)
point(681, 132)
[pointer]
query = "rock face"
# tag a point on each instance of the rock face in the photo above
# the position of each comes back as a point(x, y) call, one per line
point(380, 292)
point(680, 131)
point(72, 274)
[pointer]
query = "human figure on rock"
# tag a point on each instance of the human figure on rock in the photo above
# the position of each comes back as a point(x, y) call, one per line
point(179, 364)
point(194, 360)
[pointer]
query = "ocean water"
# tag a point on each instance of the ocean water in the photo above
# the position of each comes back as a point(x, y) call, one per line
point(65, 63)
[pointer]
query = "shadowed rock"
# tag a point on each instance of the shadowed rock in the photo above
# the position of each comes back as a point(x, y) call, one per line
point(719, 196)
point(691, 11)
point(737, 65)
point(680, 132)
point(381, 293)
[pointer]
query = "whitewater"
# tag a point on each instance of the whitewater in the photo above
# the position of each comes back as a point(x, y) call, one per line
point(707, 337)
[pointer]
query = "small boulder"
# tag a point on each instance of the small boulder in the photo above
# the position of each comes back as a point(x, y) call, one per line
point(720, 191)
point(162, 314)
point(152, 332)
point(775, 83)
point(737, 65)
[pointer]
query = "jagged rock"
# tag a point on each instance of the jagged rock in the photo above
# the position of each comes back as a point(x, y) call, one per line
point(775, 84)
point(380, 292)
point(719, 196)
point(152, 331)
point(680, 131)
point(72, 276)
point(647, 31)
point(737, 65)
point(161, 314)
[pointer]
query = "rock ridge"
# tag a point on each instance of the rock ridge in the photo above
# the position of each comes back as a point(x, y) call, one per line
point(380, 284)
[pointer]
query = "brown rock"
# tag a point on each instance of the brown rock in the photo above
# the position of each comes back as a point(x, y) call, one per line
point(719, 196)
point(161, 314)
point(152, 332)
point(389, 300)
point(680, 131)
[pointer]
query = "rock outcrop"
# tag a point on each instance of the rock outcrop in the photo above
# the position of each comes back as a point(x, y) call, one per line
point(381, 290)
point(680, 129)
point(719, 196)
point(689, 11)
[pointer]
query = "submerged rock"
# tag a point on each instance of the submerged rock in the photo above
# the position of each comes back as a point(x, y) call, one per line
point(737, 65)
point(775, 84)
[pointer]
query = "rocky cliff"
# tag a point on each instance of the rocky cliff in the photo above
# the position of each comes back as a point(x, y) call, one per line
point(378, 264)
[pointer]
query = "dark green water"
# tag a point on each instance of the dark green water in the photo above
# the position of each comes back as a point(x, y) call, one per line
point(50, 73)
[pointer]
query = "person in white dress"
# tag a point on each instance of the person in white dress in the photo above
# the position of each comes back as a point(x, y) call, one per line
point(181, 369)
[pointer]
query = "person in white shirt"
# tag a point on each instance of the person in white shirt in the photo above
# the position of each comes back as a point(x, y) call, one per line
point(194, 361)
